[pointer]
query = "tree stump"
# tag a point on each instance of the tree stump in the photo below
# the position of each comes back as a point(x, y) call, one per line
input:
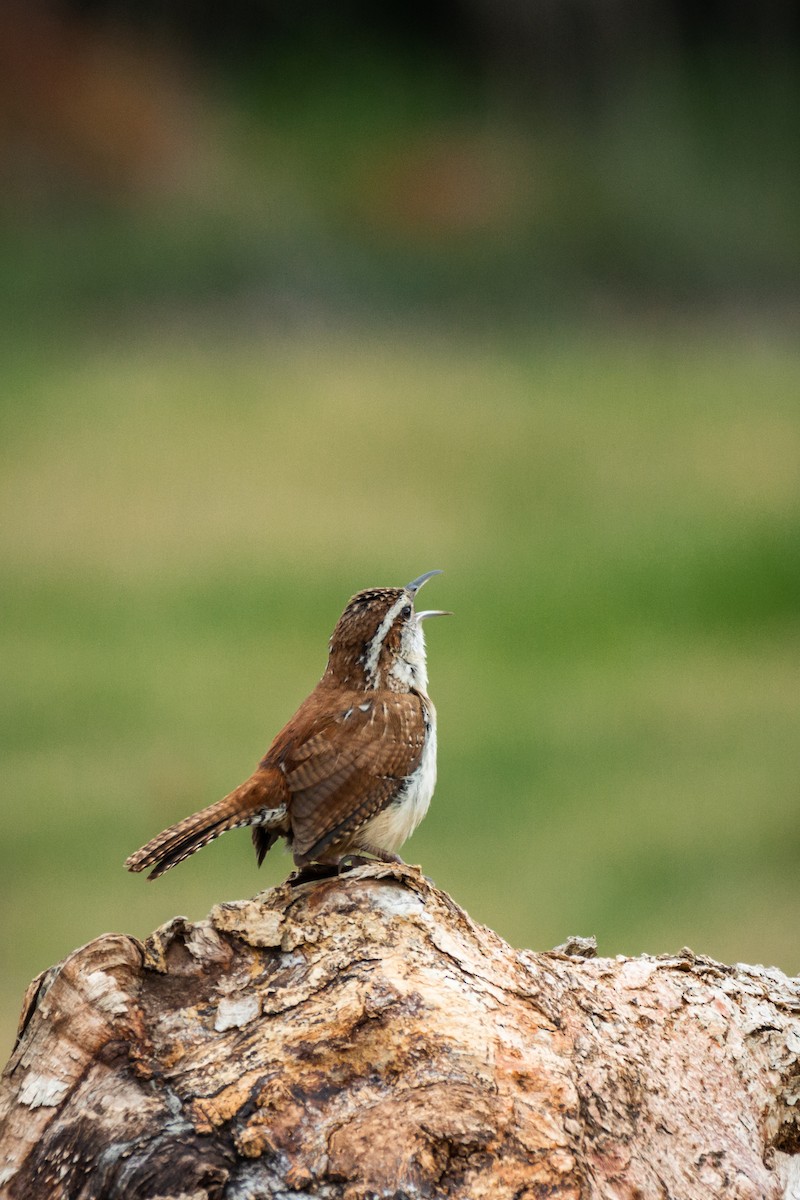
point(363, 1037)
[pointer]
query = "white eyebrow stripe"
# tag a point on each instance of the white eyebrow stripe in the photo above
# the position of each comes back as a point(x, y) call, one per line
point(374, 651)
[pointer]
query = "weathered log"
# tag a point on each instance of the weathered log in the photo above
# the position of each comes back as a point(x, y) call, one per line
point(362, 1037)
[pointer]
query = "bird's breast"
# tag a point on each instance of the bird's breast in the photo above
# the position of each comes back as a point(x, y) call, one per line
point(396, 823)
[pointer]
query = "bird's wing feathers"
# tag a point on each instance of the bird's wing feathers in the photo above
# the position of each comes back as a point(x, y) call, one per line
point(366, 750)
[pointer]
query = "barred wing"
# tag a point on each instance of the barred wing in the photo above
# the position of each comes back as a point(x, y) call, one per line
point(349, 766)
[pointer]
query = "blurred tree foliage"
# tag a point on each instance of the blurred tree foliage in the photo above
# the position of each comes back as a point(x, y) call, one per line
point(473, 156)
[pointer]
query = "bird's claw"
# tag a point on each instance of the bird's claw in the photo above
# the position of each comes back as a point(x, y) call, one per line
point(312, 873)
point(349, 862)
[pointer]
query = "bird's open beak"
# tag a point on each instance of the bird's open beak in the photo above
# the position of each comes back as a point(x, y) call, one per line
point(416, 584)
point(414, 587)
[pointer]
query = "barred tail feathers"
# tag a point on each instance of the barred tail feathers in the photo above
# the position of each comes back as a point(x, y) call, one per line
point(256, 802)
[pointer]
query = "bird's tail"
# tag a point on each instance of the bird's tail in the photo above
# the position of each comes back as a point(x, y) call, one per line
point(255, 803)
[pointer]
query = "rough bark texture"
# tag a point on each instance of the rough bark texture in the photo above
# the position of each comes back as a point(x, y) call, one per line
point(362, 1037)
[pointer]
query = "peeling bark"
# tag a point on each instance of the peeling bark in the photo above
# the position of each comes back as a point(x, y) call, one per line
point(362, 1037)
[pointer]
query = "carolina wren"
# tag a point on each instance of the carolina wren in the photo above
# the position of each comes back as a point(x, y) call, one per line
point(355, 768)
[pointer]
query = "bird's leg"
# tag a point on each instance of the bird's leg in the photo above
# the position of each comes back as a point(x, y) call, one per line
point(384, 855)
point(349, 861)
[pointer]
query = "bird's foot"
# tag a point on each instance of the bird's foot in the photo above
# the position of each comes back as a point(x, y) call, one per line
point(312, 872)
point(349, 862)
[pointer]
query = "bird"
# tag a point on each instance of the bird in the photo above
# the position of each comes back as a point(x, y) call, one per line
point(353, 771)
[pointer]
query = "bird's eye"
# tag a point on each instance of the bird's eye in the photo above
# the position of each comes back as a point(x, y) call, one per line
point(405, 613)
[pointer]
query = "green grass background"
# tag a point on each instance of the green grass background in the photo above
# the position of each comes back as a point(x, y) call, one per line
point(186, 510)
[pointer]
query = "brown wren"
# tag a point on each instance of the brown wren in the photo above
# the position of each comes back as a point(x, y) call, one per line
point(354, 770)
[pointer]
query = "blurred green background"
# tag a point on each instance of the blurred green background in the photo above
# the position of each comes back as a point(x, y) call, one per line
point(296, 304)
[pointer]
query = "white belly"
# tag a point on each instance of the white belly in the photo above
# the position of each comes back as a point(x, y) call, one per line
point(396, 823)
